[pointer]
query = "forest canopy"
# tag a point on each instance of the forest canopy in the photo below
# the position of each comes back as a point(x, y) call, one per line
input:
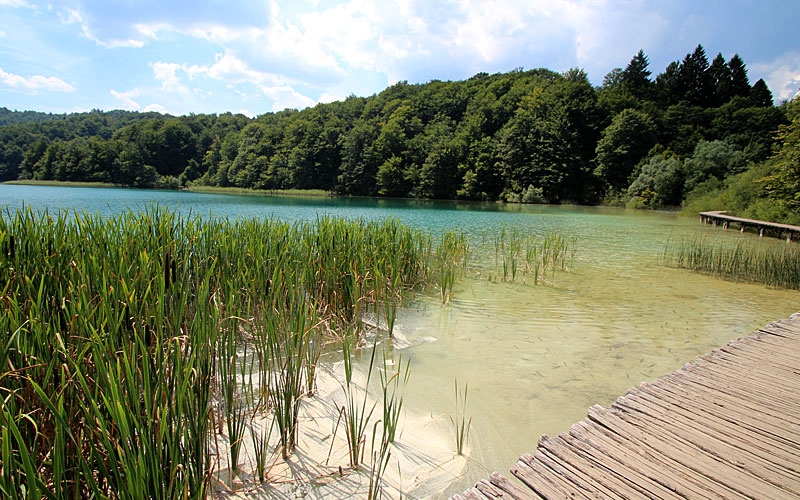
point(687, 135)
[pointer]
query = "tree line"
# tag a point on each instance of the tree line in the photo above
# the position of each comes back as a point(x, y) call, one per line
point(522, 136)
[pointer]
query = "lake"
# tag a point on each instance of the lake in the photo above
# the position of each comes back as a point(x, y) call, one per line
point(535, 357)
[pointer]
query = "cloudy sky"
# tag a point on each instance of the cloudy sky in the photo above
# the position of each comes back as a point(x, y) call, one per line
point(256, 56)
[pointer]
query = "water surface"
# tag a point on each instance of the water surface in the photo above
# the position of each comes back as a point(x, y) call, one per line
point(534, 357)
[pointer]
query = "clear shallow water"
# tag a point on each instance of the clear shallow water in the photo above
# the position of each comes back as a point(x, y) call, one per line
point(534, 357)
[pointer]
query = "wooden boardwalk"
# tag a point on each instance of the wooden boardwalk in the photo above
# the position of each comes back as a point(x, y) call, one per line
point(724, 426)
point(761, 226)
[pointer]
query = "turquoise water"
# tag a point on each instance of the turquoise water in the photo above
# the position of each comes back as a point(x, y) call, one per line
point(534, 357)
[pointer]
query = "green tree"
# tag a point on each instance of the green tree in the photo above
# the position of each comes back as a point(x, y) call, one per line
point(659, 183)
point(694, 79)
point(740, 84)
point(760, 94)
point(623, 144)
point(359, 167)
point(712, 159)
point(636, 76)
point(783, 186)
point(391, 178)
point(720, 79)
point(668, 84)
point(439, 174)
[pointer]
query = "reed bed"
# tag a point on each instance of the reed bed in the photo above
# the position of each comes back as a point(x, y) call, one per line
point(748, 260)
point(522, 256)
point(132, 342)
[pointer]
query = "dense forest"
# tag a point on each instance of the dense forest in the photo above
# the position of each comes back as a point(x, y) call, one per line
point(696, 133)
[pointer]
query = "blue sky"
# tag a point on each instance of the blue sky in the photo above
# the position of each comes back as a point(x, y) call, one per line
point(249, 56)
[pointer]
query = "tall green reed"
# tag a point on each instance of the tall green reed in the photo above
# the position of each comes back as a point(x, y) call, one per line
point(774, 264)
point(461, 425)
point(518, 254)
point(121, 333)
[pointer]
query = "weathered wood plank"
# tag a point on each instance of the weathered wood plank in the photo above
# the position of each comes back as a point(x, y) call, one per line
point(753, 421)
point(644, 416)
point(643, 466)
point(503, 488)
point(757, 444)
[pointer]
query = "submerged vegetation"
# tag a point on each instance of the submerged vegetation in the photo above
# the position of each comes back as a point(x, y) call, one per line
point(770, 263)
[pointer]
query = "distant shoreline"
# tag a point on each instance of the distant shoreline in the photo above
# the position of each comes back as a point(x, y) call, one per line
point(259, 192)
point(194, 189)
point(31, 182)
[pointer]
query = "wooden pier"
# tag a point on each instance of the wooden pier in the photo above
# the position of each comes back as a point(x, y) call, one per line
point(724, 426)
point(762, 227)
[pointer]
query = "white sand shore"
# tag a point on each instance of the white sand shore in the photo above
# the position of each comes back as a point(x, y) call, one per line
point(422, 462)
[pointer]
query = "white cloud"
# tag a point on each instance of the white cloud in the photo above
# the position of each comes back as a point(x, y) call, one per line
point(166, 73)
point(782, 75)
point(73, 16)
point(327, 98)
point(127, 98)
point(155, 107)
point(35, 83)
point(14, 3)
point(285, 96)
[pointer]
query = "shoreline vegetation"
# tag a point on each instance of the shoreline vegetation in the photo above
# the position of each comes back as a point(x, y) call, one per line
point(196, 189)
point(773, 264)
point(697, 135)
point(160, 356)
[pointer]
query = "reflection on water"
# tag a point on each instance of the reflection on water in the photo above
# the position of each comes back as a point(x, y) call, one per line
point(534, 357)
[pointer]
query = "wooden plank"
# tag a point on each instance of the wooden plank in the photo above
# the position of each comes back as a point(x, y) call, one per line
point(746, 398)
point(644, 415)
point(722, 216)
point(644, 466)
point(505, 486)
point(770, 346)
point(741, 481)
point(725, 391)
point(580, 472)
point(540, 480)
point(612, 474)
point(733, 377)
point(753, 357)
point(757, 443)
point(736, 414)
point(472, 494)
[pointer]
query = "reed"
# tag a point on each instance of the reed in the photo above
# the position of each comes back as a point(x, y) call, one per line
point(451, 258)
point(358, 411)
point(774, 264)
point(461, 424)
point(518, 255)
point(121, 335)
point(392, 387)
point(379, 461)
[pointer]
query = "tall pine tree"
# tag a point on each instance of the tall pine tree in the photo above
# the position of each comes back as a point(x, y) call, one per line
point(636, 76)
point(694, 78)
point(720, 79)
point(760, 95)
point(740, 85)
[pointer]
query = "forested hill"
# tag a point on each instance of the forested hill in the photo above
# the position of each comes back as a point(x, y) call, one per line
point(530, 136)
